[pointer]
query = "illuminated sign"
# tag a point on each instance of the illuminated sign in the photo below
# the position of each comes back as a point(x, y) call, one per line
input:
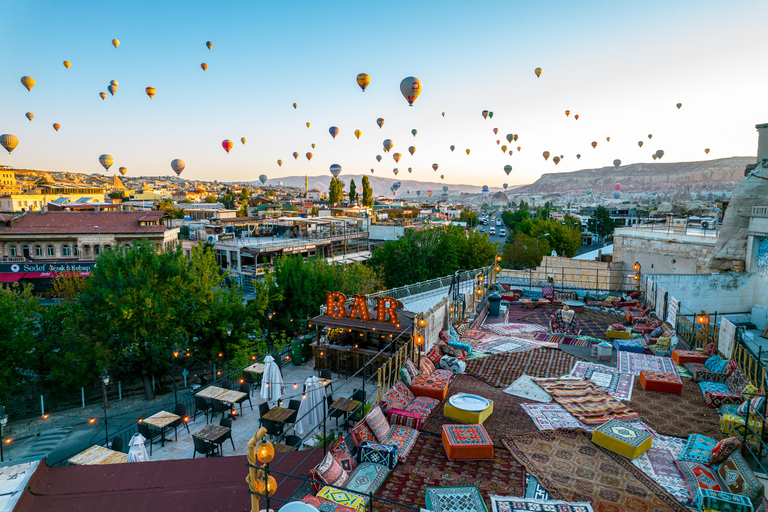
point(385, 311)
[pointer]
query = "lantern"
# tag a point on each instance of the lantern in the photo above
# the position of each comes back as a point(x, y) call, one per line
point(703, 318)
point(498, 258)
point(481, 279)
point(497, 269)
point(636, 266)
point(636, 277)
point(479, 292)
point(267, 488)
point(418, 340)
point(265, 451)
point(422, 323)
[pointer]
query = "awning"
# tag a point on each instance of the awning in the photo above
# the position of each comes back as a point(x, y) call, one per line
point(11, 277)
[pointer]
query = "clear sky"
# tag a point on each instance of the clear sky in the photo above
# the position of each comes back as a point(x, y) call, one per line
point(621, 66)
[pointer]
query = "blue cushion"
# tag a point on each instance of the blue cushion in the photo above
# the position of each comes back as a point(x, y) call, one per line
point(698, 448)
point(630, 345)
point(716, 364)
point(382, 454)
point(714, 387)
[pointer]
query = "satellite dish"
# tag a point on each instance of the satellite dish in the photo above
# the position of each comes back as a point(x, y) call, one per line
point(298, 506)
point(554, 254)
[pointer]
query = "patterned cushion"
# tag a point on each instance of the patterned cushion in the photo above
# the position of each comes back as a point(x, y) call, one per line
point(461, 345)
point(411, 367)
point(739, 479)
point(443, 374)
point(453, 352)
point(657, 332)
point(405, 392)
point(330, 471)
point(405, 418)
point(717, 393)
point(434, 355)
point(714, 387)
point(697, 449)
point(430, 386)
point(406, 375)
point(394, 399)
point(749, 389)
point(763, 507)
point(378, 423)
point(347, 499)
point(361, 432)
point(755, 406)
point(716, 364)
point(367, 478)
point(341, 453)
point(453, 364)
point(404, 438)
point(731, 366)
point(723, 449)
point(423, 405)
point(710, 349)
point(714, 501)
point(737, 381)
point(377, 453)
point(731, 424)
point(426, 366)
point(700, 373)
point(698, 476)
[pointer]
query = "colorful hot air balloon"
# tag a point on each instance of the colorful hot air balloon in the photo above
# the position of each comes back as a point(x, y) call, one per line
point(412, 150)
point(102, 95)
point(28, 82)
point(452, 148)
point(150, 92)
point(578, 156)
point(538, 72)
point(209, 44)
point(308, 125)
point(545, 155)
point(442, 176)
point(640, 143)
point(30, 115)
point(9, 142)
point(495, 131)
point(576, 116)
point(358, 133)
point(556, 160)
point(485, 191)
point(467, 150)
point(510, 137)
point(243, 139)
point(706, 151)
point(380, 122)
point(363, 79)
point(445, 188)
point(654, 156)
point(115, 43)
point(434, 167)
point(418, 192)
point(106, 161)
point(518, 149)
point(67, 64)
point(333, 131)
point(443, 114)
point(313, 146)
point(204, 66)
point(309, 156)
point(410, 87)
point(616, 163)
point(679, 105)
point(227, 145)
point(660, 153)
point(414, 132)
point(123, 170)
point(335, 170)
point(650, 136)
point(485, 114)
point(507, 169)
point(504, 148)
point(410, 170)
point(263, 178)
point(429, 193)
point(515, 136)
point(295, 105)
point(295, 155)
point(498, 142)
point(396, 156)
point(617, 186)
point(616, 194)
point(372, 170)
point(388, 144)
point(567, 113)
point(510, 152)
point(505, 186)
point(594, 144)
point(608, 139)
point(112, 89)
point(279, 163)
point(56, 126)
point(378, 158)
point(395, 170)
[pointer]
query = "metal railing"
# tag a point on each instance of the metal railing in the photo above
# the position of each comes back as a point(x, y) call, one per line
point(431, 285)
point(760, 211)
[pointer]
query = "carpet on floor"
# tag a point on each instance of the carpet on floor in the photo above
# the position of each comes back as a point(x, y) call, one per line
point(508, 415)
point(676, 415)
point(593, 323)
point(630, 362)
point(572, 468)
point(501, 370)
point(428, 466)
point(617, 384)
point(659, 464)
point(510, 329)
point(586, 401)
point(512, 504)
point(501, 344)
point(554, 416)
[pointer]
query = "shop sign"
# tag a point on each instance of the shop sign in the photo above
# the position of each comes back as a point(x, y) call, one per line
point(385, 311)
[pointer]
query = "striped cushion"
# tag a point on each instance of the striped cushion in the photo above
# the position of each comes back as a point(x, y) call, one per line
point(331, 472)
point(426, 366)
point(378, 423)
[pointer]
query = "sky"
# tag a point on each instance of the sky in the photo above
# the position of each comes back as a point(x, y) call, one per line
point(621, 66)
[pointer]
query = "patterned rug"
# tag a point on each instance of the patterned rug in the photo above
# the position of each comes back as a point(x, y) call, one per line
point(676, 415)
point(538, 338)
point(618, 384)
point(511, 329)
point(570, 467)
point(502, 344)
point(508, 415)
point(552, 416)
point(555, 338)
point(511, 504)
point(587, 401)
point(617, 313)
point(427, 466)
point(534, 490)
point(455, 499)
point(501, 370)
point(632, 363)
point(474, 335)
point(593, 323)
point(659, 464)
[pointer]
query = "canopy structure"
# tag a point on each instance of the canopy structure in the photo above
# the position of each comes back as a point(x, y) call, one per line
point(272, 381)
point(311, 409)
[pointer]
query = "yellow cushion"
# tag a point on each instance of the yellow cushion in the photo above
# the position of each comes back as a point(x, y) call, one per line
point(620, 438)
point(749, 390)
point(340, 497)
point(463, 416)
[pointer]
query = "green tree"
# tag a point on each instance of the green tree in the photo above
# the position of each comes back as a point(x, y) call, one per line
point(566, 241)
point(335, 192)
point(245, 194)
point(20, 314)
point(512, 219)
point(117, 194)
point(299, 288)
point(352, 192)
point(477, 251)
point(168, 207)
point(367, 193)
point(315, 211)
point(359, 279)
point(211, 198)
point(522, 251)
point(243, 211)
point(469, 217)
point(228, 200)
point(602, 218)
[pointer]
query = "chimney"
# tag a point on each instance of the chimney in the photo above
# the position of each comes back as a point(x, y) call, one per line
point(96, 209)
point(762, 143)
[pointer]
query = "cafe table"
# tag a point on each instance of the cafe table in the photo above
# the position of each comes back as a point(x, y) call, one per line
point(161, 420)
point(212, 433)
point(97, 456)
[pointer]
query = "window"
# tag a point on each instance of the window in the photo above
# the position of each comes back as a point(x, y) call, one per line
point(96, 250)
point(107, 247)
point(14, 251)
point(38, 250)
point(87, 251)
point(75, 250)
point(65, 250)
point(50, 250)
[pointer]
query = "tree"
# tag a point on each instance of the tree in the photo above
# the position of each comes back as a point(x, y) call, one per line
point(352, 192)
point(469, 217)
point(605, 224)
point(245, 194)
point(335, 192)
point(512, 219)
point(522, 251)
point(566, 241)
point(168, 207)
point(20, 314)
point(367, 193)
point(68, 285)
point(212, 199)
point(117, 194)
point(478, 251)
point(299, 288)
point(243, 211)
point(359, 279)
point(315, 211)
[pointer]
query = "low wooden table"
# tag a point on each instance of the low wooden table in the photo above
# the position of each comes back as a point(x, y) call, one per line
point(221, 394)
point(283, 448)
point(98, 455)
point(161, 420)
point(212, 433)
point(278, 414)
point(345, 404)
point(255, 368)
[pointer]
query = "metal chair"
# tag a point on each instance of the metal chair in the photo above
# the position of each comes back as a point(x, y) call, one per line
point(274, 428)
point(226, 384)
point(217, 406)
point(326, 374)
point(294, 441)
point(263, 409)
point(244, 388)
point(226, 422)
point(293, 404)
point(357, 414)
point(250, 381)
point(201, 404)
point(181, 412)
point(335, 413)
point(202, 446)
point(145, 431)
point(117, 444)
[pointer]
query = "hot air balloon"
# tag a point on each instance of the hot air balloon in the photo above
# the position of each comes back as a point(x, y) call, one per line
point(209, 44)
point(507, 169)
point(467, 150)
point(102, 95)
point(495, 131)
point(679, 105)
point(28, 82)
point(9, 142)
point(335, 170)
point(295, 105)
point(498, 142)
point(263, 178)
point(243, 139)
point(616, 194)
point(617, 186)
point(414, 132)
point(150, 92)
point(429, 193)
point(295, 155)
point(372, 171)
point(115, 43)
point(380, 122)
point(504, 148)
point(30, 115)
point(434, 167)
point(640, 143)
point(363, 79)
point(333, 131)
point(510, 152)
point(442, 176)
point(378, 158)
point(56, 126)
point(654, 156)
point(443, 114)
point(410, 87)
point(518, 149)
point(515, 136)
point(396, 156)
point(388, 144)
point(545, 155)
point(616, 163)
point(485, 114)
point(280, 163)
point(556, 160)
point(106, 161)
point(410, 170)
point(445, 188)
point(578, 156)
point(178, 166)
point(308, 124)
point(112, 89)
point(358, 133)
point(409, 192)
point(650, 136)
point(412, 150)
point(510, 138)
point(505, 186)
point(67, 64)
point(576, 116)
point(204, 66)
point(309, 156)
point(418, 192)
point(588, 192)
point(313, 146)
point(538, 72)
point(452, 148)
point(660, 153)
point(567, 113)
point(608, 139)
point(123, 170)
point(706, 151)
point(594, 144)
point(395, 170)
point(490, 114)
point(227, 145)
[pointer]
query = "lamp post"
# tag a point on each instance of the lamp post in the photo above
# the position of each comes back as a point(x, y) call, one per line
point(97, 227)
point(175, 355)
point(105, 382)
point(418, 339)
point(269, 336)
point(266, 485)
point(542, 236)
point(703, 320)
point(637, 268)
point(3, 423)
point(497, 268)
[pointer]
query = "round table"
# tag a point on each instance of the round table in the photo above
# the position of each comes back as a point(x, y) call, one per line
point(575, 305)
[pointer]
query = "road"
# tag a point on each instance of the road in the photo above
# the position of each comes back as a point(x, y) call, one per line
point(498, 237)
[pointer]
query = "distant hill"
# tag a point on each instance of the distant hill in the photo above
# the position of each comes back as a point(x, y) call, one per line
point(712, 175)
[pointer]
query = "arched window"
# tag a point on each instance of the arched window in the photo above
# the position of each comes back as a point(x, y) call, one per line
point(87, 251)
point(14, 250)
point(65, 250)
point(38, 250)
point(50, 251)
point(107, 247)
point(75, 250)
point(96, 250)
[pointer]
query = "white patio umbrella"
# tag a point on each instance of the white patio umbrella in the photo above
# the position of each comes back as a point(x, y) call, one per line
point(311, 409)
point(137, 451)
point(271, 381)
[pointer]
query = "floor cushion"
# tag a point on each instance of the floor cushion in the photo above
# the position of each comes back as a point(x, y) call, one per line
point(361, 432)
point(700, 373)
point(384, 454)
point(623, 439)
point(367, 478)
point(394, 398)
point(423, 405)
point(405, 418)
point(432, 387)
point(629, 345)
point(688, 356)
point(723, 449)
point(738, 478)
point(342, 454)
point(717, 394)
point(467, 442)
point(456, 366)
point(732, 424)
point(378, 423)
point(325, 505)
point(662, 382)
point(330, 471)
point(404, 438)
point(443, 374)
point(699, 476)
point(697, 449)
point(348, 499)
point(722, 501)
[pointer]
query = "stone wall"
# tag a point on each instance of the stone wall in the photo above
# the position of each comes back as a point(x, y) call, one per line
point(662, 252)
point(725, 293)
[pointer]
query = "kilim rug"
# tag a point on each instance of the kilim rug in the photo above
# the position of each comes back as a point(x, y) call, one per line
point(615, 312)
point(571, 468)
point(515, 328)
point(676, 415)
point(501, 370)
point(555, 338)
point(630, 362)
point(474, 335)
point(427, 466)
point(552, 416)
point(587, 401)
point(502, 344)
point(659, 464)
point(455, 499)
point(511, 504)
point(538, 338)
point(617, 384)
point(593, 323)
point(508, 416)
point(533, 489)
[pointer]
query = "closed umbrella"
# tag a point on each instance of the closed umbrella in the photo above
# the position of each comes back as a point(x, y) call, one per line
point(311, 409)
point(137, 451)
point(271, 381)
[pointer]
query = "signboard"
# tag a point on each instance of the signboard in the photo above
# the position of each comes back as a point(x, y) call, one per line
point(47, 267)
point(299, 248)
point(672, 308)
point(660, 295)
point(348, 237)
point(385, 311)
point(727, 338)
point(226, 236)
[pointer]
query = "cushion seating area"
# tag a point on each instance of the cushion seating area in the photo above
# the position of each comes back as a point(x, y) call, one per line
point(432, 387)
point(400, 397)
point(404, 438)
point(689, 356)
point(467, 442)
point(365, 477)
point(718, 393)
point(732, 423)
point(662, 382)
point(623, 439)
point(629, 345)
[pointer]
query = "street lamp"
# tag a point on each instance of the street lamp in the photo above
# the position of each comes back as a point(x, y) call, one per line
point(269, 337)
point(97, 227)
point(3, 423)
point(105, 382)
point(266, 485)
point(703, 320)
point(175, 355)
point(542, 236)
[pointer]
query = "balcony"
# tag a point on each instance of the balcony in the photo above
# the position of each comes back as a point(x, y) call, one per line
point(760, 211)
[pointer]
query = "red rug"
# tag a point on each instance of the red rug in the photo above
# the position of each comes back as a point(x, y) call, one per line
point(586, 401)
point(427, 466)
point(501, 370)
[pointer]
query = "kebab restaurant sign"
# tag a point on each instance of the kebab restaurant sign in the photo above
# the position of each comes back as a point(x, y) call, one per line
point(385, 311)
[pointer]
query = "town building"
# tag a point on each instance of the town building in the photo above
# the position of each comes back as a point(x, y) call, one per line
point(35, 199)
